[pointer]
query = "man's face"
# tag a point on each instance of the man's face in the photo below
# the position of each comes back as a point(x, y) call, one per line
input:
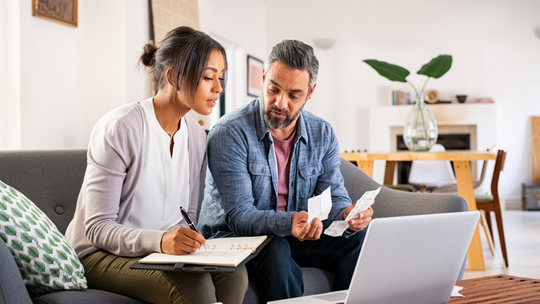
point(284, 94)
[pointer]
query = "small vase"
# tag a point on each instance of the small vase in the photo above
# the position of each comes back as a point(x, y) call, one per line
point(420, 131)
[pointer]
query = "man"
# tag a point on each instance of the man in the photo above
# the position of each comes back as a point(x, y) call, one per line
point(266, 160)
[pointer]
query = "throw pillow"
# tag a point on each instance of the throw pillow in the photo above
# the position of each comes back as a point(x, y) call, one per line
point(45, 259)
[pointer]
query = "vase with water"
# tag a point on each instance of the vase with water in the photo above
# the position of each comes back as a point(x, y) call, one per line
point(420, 130)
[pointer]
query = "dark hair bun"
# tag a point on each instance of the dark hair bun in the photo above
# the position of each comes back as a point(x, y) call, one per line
point(148, 58)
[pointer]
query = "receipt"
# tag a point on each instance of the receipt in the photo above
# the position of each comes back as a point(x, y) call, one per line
point(320, 205)
point(362, 204)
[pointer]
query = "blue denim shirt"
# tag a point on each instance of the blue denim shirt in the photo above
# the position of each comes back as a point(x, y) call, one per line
point(243, 169)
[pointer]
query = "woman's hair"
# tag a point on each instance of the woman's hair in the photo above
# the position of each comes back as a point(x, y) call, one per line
point(186, 51)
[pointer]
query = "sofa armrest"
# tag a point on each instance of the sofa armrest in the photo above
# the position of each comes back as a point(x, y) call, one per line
point(392, 202)
point(12, 289)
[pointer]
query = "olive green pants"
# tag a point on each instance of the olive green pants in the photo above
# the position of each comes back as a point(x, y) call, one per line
point(107, 271)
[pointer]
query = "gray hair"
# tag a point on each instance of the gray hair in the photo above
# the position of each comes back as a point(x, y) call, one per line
point(296, 55)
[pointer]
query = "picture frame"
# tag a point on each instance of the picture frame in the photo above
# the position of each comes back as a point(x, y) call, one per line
point(254, 76)
point(62, 11)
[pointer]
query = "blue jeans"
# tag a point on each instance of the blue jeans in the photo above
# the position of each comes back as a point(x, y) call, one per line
point(277, 272)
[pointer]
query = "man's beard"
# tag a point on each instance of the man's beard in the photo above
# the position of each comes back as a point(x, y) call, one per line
point(275, 123)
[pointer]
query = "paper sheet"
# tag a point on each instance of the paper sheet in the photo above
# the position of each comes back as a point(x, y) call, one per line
point(320, 205)
point(455, 292)
point(362, 204)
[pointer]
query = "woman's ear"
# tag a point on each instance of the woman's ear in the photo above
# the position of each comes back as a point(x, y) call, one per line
point(169, 76)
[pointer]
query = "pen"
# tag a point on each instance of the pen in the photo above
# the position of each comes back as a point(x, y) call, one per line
point(187, 219)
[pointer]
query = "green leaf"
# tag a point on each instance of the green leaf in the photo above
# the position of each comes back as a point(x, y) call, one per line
point(46, 278)
point(14, 193)
point(19, 263)
point(68, 269)
point(37, 282)
point(10, 230)
point(55, 272)
point(48, 259)
point(47, 248)
point(43, 227)
point(52, 243)
point(39, 234)
point(17, 245)
point(2, 185)
point(25, 258)
point(390, 71)
point(30, 220)
point(21, 206)
point(40, 267)
point(30, 270)
point(26, 238)
point(33, 251)
point(66, 279)
point(3, 205)
point(58, 285)
point(4, 217)
point(24, 275)
point(16, 212)
point(24, 226)
point(62, 255)
point(75, 263)
point(437, 67)
point(3, 236)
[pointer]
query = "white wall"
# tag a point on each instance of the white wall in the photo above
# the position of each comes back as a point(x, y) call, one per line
point(71, 76)
point(240, 25)
point(495, 52)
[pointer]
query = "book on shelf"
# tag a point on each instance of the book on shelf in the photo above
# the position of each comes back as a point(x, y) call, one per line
point(229, 253)
point(400, 98)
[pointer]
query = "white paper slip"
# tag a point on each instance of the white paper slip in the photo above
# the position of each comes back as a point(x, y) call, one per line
point(320, 205)
point(362, 204)
point(455, 292)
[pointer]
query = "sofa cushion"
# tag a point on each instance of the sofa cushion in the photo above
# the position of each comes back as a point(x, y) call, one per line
point(45, 259)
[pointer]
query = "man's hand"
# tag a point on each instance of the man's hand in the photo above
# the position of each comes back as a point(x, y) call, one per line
point(181, 240)
point(362, 221)
point(302, 230)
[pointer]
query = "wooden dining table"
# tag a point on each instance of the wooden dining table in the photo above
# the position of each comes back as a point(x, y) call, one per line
point(462, 169)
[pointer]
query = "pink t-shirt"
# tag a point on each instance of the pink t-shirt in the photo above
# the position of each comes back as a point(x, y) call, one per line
point(283, 150)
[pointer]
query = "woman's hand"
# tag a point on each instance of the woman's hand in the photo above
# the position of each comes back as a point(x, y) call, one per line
point(181, 240)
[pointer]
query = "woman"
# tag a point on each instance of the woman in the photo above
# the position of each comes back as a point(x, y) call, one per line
point(144, 163)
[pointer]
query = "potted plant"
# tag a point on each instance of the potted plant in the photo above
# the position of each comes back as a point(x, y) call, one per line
point(420, 131)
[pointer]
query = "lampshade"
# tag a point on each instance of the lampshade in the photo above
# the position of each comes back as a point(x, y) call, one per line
point(325, 43)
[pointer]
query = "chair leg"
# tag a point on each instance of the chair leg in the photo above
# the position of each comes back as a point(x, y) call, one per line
point(487, 231)
point(500, 229)
point(488, 221)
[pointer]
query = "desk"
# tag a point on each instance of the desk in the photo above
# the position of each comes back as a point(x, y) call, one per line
point(462, 169)
point(498, 289)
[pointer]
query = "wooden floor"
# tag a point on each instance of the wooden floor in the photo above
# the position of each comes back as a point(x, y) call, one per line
point(522, 232)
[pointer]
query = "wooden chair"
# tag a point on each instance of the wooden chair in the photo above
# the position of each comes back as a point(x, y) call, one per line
point(492, 203)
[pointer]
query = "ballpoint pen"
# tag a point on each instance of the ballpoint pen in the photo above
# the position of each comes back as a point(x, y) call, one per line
point(187, 219)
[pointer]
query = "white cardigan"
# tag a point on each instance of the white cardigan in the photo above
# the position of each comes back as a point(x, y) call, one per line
point(114, 162)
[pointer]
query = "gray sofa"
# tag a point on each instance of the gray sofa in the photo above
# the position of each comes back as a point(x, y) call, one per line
point(52, 179)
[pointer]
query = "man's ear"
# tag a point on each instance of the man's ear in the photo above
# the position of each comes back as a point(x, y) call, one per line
point(262, 79)
point(311, 92)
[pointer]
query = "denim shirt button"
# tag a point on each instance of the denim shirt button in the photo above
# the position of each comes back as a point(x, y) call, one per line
point(313, 172)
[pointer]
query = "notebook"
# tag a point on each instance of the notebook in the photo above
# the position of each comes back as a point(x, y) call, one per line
point(408, 259)
point(219, 255)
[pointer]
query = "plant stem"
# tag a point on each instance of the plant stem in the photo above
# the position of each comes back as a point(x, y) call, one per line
point(424, 86)
point(415, 91)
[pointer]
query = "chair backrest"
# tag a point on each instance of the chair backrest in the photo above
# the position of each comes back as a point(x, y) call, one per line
point(499, 166)
point(432, 173)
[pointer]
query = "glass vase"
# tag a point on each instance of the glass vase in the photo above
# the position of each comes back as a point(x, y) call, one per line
point(420, 131)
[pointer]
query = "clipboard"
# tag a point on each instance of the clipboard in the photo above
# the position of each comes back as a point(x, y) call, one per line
point(193, 268)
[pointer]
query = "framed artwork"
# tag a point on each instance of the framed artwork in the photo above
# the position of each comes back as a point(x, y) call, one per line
point(63, 11)
point(254, 76)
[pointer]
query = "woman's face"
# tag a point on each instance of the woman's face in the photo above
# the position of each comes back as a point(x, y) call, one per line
point(209, 88)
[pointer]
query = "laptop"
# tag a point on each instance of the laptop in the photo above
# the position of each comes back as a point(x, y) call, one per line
point(408, 259)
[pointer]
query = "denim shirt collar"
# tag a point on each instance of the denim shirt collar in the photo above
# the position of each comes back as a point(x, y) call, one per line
point(263, 131)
